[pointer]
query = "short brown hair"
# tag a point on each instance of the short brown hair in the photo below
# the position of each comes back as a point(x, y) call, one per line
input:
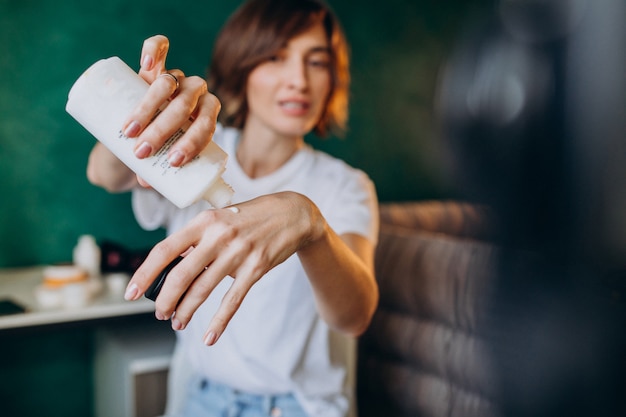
point(256, 31)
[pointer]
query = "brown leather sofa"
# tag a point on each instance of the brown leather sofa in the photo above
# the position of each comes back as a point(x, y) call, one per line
point(424, 354)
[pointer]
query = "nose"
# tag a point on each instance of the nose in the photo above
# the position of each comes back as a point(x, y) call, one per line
point(296, 74)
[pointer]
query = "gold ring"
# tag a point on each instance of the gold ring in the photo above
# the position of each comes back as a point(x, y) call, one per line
point(173, 77)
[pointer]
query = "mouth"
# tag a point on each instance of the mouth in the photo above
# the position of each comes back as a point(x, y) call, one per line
point(294, 105)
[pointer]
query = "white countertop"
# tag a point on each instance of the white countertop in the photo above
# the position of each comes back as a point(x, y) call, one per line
point(19, 285)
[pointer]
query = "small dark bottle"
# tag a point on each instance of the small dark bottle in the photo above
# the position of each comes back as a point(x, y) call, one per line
point(155, 288)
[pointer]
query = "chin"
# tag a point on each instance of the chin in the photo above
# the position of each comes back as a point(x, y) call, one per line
point(298, 131)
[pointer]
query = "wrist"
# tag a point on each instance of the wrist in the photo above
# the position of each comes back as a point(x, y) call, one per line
point(315, 224)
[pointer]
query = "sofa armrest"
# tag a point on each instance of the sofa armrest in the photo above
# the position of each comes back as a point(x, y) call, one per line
point(454, 218)
point(424, 352)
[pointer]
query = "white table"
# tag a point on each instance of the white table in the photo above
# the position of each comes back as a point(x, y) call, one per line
point(19, 284)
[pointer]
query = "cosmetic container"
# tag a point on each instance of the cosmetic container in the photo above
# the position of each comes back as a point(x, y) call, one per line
point(154, 289)
point(102, 98)
point(86, 255)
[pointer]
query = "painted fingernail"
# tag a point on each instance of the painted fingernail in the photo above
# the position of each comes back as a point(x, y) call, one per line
point(177, 325)
point(176, 158)
point(132, 129)
point(147, 62)
point(143, 151)
point(210, 338)
point(131, 292)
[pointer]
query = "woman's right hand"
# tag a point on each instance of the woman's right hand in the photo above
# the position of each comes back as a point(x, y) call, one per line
point(189, 100)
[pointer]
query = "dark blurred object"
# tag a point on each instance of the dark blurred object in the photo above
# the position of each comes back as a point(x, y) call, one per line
point(532, 110)
point(154, 289)
point(9, 306)
point(117, 258)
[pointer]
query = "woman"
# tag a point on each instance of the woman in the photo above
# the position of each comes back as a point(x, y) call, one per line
point(280, 283)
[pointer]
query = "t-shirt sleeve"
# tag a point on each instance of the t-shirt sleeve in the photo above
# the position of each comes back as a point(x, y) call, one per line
point(355, 208)
point(151, 209)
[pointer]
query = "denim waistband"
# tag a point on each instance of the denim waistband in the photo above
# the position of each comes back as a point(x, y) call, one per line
point(269, 404)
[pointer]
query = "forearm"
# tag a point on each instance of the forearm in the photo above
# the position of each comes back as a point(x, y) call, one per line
point(105, 170)
point(341, 273)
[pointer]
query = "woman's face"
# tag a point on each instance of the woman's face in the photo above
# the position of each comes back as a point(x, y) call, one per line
point(287, 93)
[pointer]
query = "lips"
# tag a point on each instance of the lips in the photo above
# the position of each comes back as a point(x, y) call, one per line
point(295, 107)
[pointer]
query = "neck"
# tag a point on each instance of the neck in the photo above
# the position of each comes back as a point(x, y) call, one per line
point(261, 152)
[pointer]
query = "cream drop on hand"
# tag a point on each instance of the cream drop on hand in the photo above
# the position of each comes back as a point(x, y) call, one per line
point(102, 98)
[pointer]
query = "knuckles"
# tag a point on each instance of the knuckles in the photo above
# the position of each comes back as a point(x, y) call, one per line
point(197, 83)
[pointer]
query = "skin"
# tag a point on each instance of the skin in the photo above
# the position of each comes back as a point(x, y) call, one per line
point(286, 95)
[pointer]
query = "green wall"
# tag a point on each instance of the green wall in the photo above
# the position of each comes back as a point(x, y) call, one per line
point(46, 202)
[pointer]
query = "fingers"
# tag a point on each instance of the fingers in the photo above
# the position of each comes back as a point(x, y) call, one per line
point(143, 182)
point(171, 104)
point(248, 273)
point(199, 132)
point(172, 79)
point(178, 288)
point(188, 101)
point(153, 56)
point(192, 99)
point(206, 263)
point(197, 293)
point(229, 306)
point(156, 98)
point(159, 257)
point(182, 275)
point(205, 283)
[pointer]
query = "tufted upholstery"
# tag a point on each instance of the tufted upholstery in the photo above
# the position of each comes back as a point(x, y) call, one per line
point(423, 354)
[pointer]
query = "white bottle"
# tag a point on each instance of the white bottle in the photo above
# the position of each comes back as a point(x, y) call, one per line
point(86, 255)
point(102, 98)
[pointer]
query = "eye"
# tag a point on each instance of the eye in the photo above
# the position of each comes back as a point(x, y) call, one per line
point(319, 63)
point(320, 60)
point(279, 56)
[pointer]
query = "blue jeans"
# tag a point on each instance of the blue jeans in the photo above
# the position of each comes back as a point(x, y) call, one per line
point(209, 399)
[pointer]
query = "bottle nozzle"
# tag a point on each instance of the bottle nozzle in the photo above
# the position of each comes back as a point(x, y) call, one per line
point(218, 194)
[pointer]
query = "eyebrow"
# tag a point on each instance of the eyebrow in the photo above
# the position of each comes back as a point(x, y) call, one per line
point(320, 49)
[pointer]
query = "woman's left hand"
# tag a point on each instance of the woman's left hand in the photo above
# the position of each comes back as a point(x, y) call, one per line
point(244, 242)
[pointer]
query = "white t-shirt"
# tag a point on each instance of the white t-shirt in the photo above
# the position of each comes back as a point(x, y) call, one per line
point(277, 342)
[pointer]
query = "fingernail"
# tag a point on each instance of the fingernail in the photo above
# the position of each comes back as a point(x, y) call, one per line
point(143, 151)
point(177, 325)
point(131, 292)
point(132, 129)
point(147, 62)
point(176, 158)
point(159, 316)
point(210, 338)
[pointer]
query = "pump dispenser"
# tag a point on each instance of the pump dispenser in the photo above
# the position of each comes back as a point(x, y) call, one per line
point(102, 98)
